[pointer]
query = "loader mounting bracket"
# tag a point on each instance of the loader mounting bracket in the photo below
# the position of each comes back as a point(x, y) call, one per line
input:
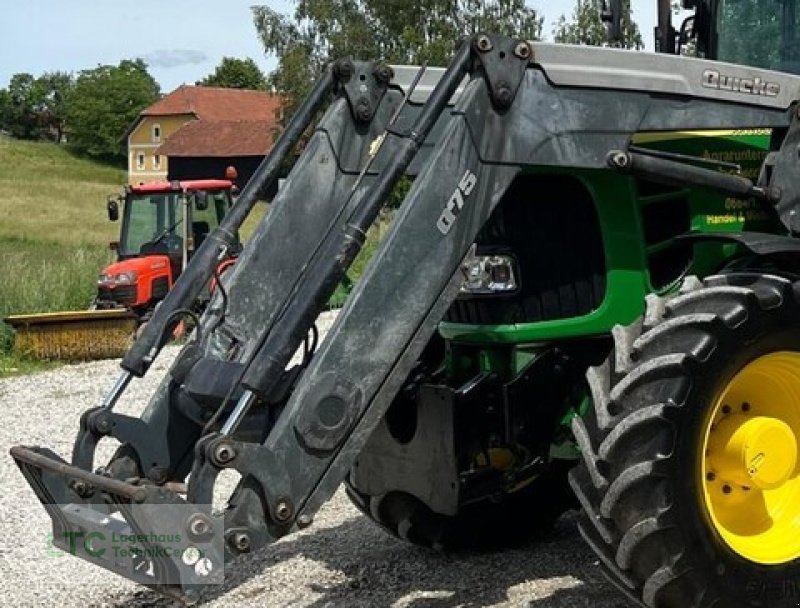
point(100, 422)
point(363, 84)
point(263, 475)
point(504, 61)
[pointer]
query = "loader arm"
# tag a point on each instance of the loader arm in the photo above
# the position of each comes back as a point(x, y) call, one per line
point(230, 402)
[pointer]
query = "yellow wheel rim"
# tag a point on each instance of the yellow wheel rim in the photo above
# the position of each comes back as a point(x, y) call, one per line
point(750, 472)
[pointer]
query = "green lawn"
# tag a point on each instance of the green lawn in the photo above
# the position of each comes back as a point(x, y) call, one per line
point(54, 231)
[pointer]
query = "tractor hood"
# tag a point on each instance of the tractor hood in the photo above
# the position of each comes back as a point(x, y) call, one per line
point(127, 272)
point(603, 68)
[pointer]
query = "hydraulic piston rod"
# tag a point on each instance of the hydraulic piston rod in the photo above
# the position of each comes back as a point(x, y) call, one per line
point(216, 246)
point(339, 251)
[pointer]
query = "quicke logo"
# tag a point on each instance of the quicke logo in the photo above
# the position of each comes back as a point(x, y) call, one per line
point(712, 79)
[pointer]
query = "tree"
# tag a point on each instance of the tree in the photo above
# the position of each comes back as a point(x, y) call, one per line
point(233, 73)
point(413, 32)
point(56, 88)
point(586, 27)
point(105, 101)
point(34, 108)
point(20, 106)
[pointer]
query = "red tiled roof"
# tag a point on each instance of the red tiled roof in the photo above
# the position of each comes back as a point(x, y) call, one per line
point(214, 103)
point(221, 138)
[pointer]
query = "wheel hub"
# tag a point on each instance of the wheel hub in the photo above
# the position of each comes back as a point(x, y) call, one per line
point(750, 474)
point(759, 451)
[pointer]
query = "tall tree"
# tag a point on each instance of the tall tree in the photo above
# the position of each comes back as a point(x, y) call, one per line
point(56, 88)
point(34, 108)
point(412, 32)
point(104, 102)
point(586, 27)
point(233, 73)
point(20, 107)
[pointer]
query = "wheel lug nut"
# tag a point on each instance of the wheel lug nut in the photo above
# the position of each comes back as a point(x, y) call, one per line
point(710, 476)
point(726, 489)
point(726, 409)
point(745, 407)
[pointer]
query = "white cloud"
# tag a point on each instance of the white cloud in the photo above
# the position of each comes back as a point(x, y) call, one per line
point(173, 58)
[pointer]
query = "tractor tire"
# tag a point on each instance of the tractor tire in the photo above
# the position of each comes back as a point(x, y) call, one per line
point(513, 520)
point(689, 481)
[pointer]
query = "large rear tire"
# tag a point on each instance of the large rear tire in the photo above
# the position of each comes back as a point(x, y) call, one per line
point(690, 483)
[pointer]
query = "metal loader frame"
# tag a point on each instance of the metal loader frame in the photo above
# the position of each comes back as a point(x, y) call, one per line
point(229, 401)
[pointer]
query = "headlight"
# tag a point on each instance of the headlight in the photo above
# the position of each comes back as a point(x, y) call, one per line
point(488, 274)
point(112, 280)
point(126, 278)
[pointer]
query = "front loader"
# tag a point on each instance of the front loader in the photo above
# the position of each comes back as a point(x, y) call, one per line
point(449, 394)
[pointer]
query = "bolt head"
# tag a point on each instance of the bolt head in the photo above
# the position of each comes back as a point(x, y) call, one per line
point(383, 73)
point(224, 453)
point(363, 110)
point(345, 69)
point(522, 50)
point(103, 424)
point(283, 511)
point(304, 520)
point(200, 525)
point(503, 96)
point(484, 43)
point(241, 541)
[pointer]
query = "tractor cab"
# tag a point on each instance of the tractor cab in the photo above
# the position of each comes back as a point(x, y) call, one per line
point(758, 33)
point(163, 223)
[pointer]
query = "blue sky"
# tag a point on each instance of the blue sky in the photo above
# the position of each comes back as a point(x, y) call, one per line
point(181, 40)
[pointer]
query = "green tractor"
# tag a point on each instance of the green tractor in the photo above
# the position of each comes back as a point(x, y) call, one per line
point(587, 300)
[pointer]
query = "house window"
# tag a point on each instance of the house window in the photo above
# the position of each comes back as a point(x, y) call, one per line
point(140, 161)
point(157, 162)
point(156, 133)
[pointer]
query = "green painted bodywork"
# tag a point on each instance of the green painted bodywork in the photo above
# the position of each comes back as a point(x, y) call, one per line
point(506, 350)
point(619, 206)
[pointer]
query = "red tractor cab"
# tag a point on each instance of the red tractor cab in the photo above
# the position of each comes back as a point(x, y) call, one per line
point(163, 223)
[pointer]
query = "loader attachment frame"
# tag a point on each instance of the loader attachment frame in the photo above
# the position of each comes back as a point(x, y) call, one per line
point(231, 400)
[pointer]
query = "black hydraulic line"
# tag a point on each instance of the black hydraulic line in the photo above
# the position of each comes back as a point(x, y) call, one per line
point(217, 244)
point(338, 253)
point(685, 158)
point(241, 408)
point(674, 173)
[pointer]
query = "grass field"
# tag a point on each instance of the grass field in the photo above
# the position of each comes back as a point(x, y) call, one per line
point(54, 234)
point(54, 231)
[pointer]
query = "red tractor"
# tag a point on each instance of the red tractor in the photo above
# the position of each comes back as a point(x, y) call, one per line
point(163, 223)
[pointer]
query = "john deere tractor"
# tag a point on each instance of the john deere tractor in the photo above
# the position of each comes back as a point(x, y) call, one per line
point(587, 299)
point(162, 225)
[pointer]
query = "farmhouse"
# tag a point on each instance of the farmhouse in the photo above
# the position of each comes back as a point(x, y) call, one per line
point(196, 132)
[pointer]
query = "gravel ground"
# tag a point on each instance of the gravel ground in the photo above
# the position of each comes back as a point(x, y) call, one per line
point(342, 560)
